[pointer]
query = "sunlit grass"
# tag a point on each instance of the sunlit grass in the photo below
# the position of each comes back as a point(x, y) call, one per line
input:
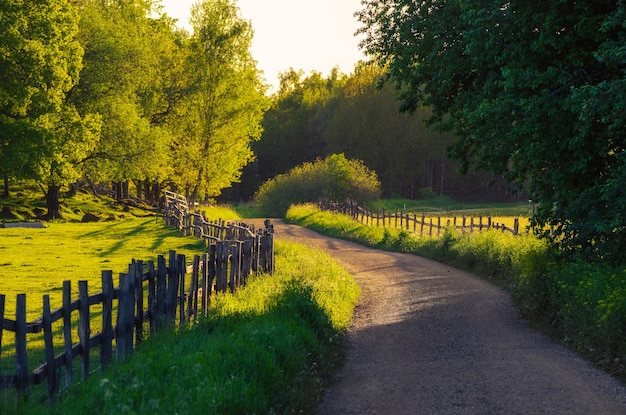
point(267, 349)
point(581, 304)
point(37, 261)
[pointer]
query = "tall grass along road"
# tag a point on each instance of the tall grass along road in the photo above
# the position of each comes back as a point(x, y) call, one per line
point(430, 339)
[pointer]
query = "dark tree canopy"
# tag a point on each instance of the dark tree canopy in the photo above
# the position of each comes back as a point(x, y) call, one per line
point(534, 90)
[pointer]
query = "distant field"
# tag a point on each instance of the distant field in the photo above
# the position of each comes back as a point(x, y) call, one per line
point(444, 205)
point(37, 261)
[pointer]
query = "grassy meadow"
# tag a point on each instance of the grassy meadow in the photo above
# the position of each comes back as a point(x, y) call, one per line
point(581, 305)
point(268, 349)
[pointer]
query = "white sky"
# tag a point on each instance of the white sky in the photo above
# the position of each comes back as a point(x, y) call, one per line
point(302, 34)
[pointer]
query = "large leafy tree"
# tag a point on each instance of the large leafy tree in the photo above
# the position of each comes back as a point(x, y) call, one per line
point(42, 136)
point(534, 90)
point(127, 53)
point(366, 125)
point(222, 112)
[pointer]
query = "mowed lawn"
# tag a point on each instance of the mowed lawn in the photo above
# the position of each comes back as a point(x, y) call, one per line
point(37, 261)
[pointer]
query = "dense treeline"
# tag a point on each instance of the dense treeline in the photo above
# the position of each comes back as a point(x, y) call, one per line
point(535, 91)
point(313, 117)
point(111, 91)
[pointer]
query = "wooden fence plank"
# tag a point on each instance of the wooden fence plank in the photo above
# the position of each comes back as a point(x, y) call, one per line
point(180, 281)
point(137, 276)
point(21, 360)
point(205, 283)
point(84, 330)
point(161, 292)
point(2, 302)
point(123, 344)
point(67, 332)
point(51, 372)
point(246, 252)
point(152, 297)
point(106, 346)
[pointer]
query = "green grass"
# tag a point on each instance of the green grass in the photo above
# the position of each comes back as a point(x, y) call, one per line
point(268, 349)
point(581, 305)
point(37, 261)
point(446, 205)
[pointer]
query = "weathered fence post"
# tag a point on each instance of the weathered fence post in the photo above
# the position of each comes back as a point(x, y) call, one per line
point(182, 271)
point(106, 345)
point(67, 332)
point(2, 300)
point(221, 266)
point(21, 362)
point(125, 317)
point(161, 294)
point(172, 288)
point(152, 299)
point(51, 372)
point(205, 283)
point(137, 276)
point(84, 330)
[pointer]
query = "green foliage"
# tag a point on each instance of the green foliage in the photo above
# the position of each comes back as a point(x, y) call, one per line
point(312, 117)
point(541, 103)
point(580, 303)
point(335, 178)
point(225, 101)
point(42, 135)
point(268, 349)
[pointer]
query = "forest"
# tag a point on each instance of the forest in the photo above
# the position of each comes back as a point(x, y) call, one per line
point(113, 93)
point(527, 100)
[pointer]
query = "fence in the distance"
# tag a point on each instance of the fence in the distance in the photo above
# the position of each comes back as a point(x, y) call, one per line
point(411, 221)
point(148, 298)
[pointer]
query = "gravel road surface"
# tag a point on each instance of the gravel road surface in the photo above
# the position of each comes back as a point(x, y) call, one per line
point(431, 339)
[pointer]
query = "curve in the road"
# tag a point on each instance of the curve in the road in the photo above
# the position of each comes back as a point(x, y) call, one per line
point(430, 339)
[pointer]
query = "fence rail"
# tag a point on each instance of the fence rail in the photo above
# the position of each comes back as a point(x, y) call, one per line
point(411, 221)
point(148, 297)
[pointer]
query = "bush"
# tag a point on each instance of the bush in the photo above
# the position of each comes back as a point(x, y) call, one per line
point(335, 178)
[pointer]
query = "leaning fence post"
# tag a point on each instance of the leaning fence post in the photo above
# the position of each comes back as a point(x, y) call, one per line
point(182, 269)
point(205, 283)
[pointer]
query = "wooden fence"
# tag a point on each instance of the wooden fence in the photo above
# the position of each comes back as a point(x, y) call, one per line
point(148, 298)
point(411, 221)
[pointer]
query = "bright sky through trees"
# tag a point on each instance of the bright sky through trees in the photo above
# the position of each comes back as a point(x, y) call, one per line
point(303, 34)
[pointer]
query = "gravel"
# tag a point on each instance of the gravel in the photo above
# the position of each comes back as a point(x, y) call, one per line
point(430, 339)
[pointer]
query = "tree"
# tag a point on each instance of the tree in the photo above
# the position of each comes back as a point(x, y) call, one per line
point(366, 125)
point(534, 90)
point(42, 136)
point(127, 57)
point(225, 104)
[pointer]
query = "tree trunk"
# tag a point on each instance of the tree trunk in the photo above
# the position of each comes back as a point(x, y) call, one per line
point(124, 186)
point(6, 186)
point(138, 185)
point(52, 202)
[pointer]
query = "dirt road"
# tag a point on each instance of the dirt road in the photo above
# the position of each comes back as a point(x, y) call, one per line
point(430, 339)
